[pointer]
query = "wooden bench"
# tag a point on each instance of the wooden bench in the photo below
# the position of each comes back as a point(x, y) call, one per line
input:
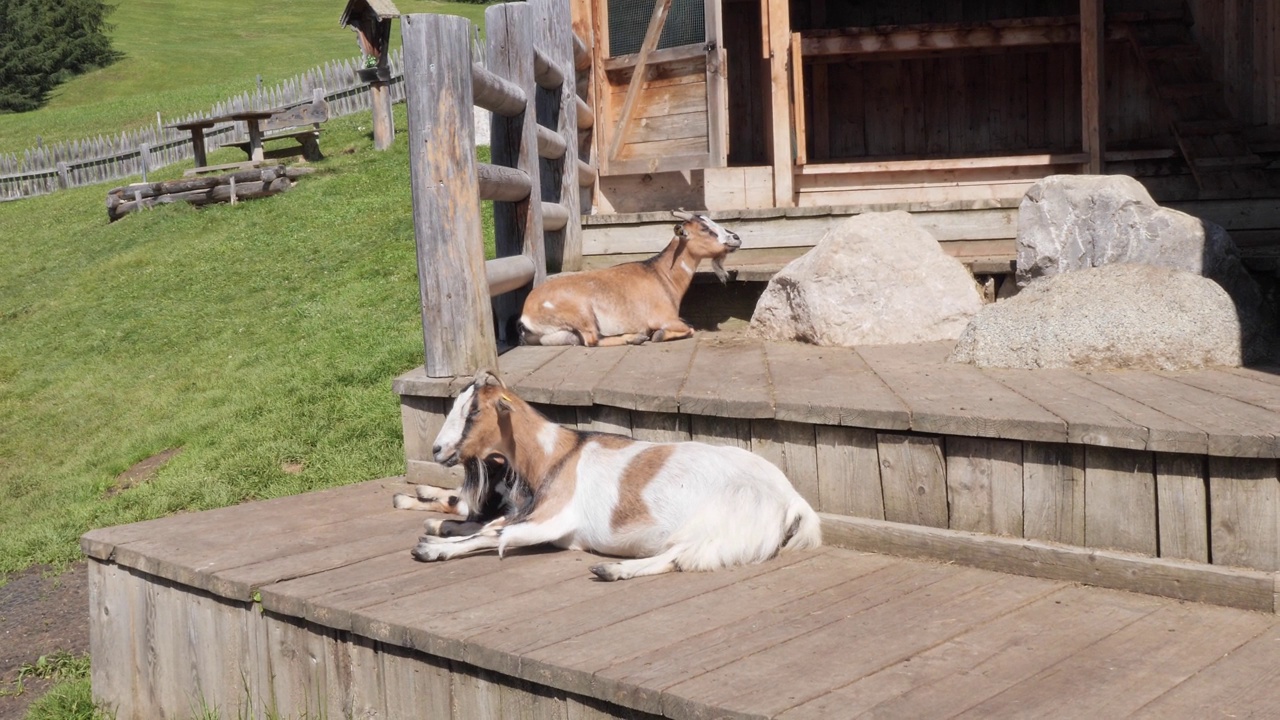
point(299, 123)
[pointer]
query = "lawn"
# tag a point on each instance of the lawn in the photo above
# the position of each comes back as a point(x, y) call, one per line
point(182, 57)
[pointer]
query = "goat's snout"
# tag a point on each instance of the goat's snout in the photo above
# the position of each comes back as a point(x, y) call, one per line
point(733, 241)
point(447, 457)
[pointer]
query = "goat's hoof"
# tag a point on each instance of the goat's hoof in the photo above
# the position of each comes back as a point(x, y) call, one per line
point(402, 502)
point(432, 526)
point(428, 552)
point(638, 339)
point(425, 493)
point(658, 336)
point(607, 572)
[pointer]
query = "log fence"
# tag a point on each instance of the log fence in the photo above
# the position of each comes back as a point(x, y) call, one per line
point(470, 306)
point(75, 163)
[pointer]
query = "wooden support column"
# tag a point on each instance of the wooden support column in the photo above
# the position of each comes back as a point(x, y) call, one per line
point(457, 324)
point(384, 129)
point(554, 36)
point(717, 85)
point(1092, 91)
point(517, 226)
point(777, 17)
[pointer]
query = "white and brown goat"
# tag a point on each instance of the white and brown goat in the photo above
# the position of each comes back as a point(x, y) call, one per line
point(670, 506)
point(633, 302)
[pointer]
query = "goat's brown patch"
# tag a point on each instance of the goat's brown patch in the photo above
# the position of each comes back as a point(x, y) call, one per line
point(643, 468)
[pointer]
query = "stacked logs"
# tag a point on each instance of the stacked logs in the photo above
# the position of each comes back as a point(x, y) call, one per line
point(244, 185)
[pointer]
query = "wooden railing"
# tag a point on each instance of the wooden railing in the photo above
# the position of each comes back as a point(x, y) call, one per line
point(470, 306)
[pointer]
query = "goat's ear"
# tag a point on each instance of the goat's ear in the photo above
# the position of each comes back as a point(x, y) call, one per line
point(679, 230)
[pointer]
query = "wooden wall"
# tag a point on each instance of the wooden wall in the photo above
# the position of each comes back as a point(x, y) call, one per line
point(670, 116)
point(1242, 39)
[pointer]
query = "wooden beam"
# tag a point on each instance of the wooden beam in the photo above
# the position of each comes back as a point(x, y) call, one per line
point(926, 39)
point(665, 55)
point(1092, 92)
point(496, 94)
point(508, 273)
point(797, 100)
point(1043, 159)
point(717, 85)
point(656, 21)
point(546, 71)
point(778, 47)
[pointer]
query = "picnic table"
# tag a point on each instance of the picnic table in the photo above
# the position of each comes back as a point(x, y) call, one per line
point(251, 118)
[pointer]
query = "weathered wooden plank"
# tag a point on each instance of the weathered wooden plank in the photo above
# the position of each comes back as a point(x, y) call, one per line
point(848, 472)
point(647, 378)
point(421, 419)
point(913, 479)
point(572, 378)
point(416, 382)
point(517, 363)
point(112, 637)
point(1053, 492)
point(730, 364)
point(943, 679)
point(1240, 684)
point(415, 685)
point(1244, 512)
point(984, 485)
point(957, 399)
point(1233, 428)
point(297, 658)
point(1198, 582)
point(1182, 506)
point(791, 447)
point(1074, 399)
point(605, 419)
point(720, 431)
point(1180, 640)
point(767, 682)
point(659, 427)
point(1247, 386)
point(1120, 500)
point(831, 386)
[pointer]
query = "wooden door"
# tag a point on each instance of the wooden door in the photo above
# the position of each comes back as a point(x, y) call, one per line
point(665, 99)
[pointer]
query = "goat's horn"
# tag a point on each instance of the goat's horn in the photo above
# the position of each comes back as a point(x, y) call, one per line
point(682, 214)
point(487, 377)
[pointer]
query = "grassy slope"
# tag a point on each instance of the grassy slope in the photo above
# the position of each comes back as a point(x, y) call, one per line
point(182, 57)
point(251, 336)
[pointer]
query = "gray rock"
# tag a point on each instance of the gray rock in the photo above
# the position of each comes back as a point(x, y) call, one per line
point(876, 278)
point(1072, 222)
point(1112, 317)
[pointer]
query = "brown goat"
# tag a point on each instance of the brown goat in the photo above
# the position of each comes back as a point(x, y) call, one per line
point(630, 303)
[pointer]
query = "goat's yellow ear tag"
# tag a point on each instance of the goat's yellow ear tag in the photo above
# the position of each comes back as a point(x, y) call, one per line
point(506, 397)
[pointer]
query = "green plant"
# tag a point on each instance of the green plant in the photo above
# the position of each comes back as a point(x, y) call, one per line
point(60, 665)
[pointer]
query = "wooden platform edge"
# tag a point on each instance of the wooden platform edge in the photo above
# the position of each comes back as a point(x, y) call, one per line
point(1197, 582)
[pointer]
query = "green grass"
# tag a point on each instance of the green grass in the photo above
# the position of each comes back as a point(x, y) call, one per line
point(182, 57)
point(250, 336)
point(70, 698)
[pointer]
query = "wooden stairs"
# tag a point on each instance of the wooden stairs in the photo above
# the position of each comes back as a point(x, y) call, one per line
point(1211, 140)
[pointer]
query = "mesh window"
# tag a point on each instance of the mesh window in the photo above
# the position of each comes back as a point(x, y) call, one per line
point(629, 19)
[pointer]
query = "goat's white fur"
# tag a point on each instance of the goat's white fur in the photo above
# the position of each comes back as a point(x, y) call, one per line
point(706, 507)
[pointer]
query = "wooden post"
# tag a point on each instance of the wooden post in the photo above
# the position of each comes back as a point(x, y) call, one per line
point(513, 143)
point(778, 17)
point(197, 146)
point(457, 324)
point(64, 177)
point(555, 37)
point(717, 85)
point(384, 130)
point(144, 157)
point(1092, 41)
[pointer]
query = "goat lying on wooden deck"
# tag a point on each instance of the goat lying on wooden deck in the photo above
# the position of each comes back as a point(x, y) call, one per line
point(629, 303)
point(672, 506)
point(479, 501)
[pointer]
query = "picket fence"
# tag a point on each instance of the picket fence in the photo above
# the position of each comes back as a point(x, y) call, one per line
point(135, 152)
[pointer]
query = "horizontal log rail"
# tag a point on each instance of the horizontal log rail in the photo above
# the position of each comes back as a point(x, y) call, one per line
point(545, 72)
point(509, 273)
point(495, 94)
point(586, 118)
point(554, 216)
point(586, 174)
point(581, 54)
point(550, 144)
point(506, 184)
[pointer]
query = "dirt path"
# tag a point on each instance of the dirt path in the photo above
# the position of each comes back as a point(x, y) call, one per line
point(40, 615)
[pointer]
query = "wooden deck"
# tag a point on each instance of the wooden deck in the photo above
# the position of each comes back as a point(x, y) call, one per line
point(348, 625)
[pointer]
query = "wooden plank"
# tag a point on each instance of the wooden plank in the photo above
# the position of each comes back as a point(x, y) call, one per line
point(984, 485)
point(791, 447)
point(848, 472)
point(1233, 428)
point(420, 421)
point(1247, 386)
point(644, 680)
point(457, 320)
point(717, 84)
point(1240, 684)
point(1160, 651)
point(572, 377)
point(1244, 512)
point(1093, 90)
point(659, 427)
point(636, 84)
point(778, 29)
point(983, 661)
point(555, 35)
point(797, 102)
point(913, 479)
point(1120, 500)
point(737, 363)
point(111, 637)
point(648, 377)
point(518, 363)
point(1179, 579)
point(1053, 492)
point(416, 685)
point(831, 386)
point(720, 430)
point(958, 399)
point(1182, 506)
point(767, 682)
point(601, 418)
point(1074, 399)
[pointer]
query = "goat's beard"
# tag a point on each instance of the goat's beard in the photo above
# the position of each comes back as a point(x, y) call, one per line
point(717, 264)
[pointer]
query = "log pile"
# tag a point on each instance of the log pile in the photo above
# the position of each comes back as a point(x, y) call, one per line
point(243, 185)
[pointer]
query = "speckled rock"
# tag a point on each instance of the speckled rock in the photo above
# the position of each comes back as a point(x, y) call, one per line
point(1112, 317)
point(873, 279)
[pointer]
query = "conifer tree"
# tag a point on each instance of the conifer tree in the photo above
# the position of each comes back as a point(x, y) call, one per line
point(44, 43)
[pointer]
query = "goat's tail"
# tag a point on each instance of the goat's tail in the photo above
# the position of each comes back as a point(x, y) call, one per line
point(804, 528)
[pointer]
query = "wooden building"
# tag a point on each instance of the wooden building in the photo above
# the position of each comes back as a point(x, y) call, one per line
point(950, 108)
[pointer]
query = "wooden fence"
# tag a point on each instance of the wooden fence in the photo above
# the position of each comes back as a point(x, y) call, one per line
point(527, 82)
point(85, 162)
